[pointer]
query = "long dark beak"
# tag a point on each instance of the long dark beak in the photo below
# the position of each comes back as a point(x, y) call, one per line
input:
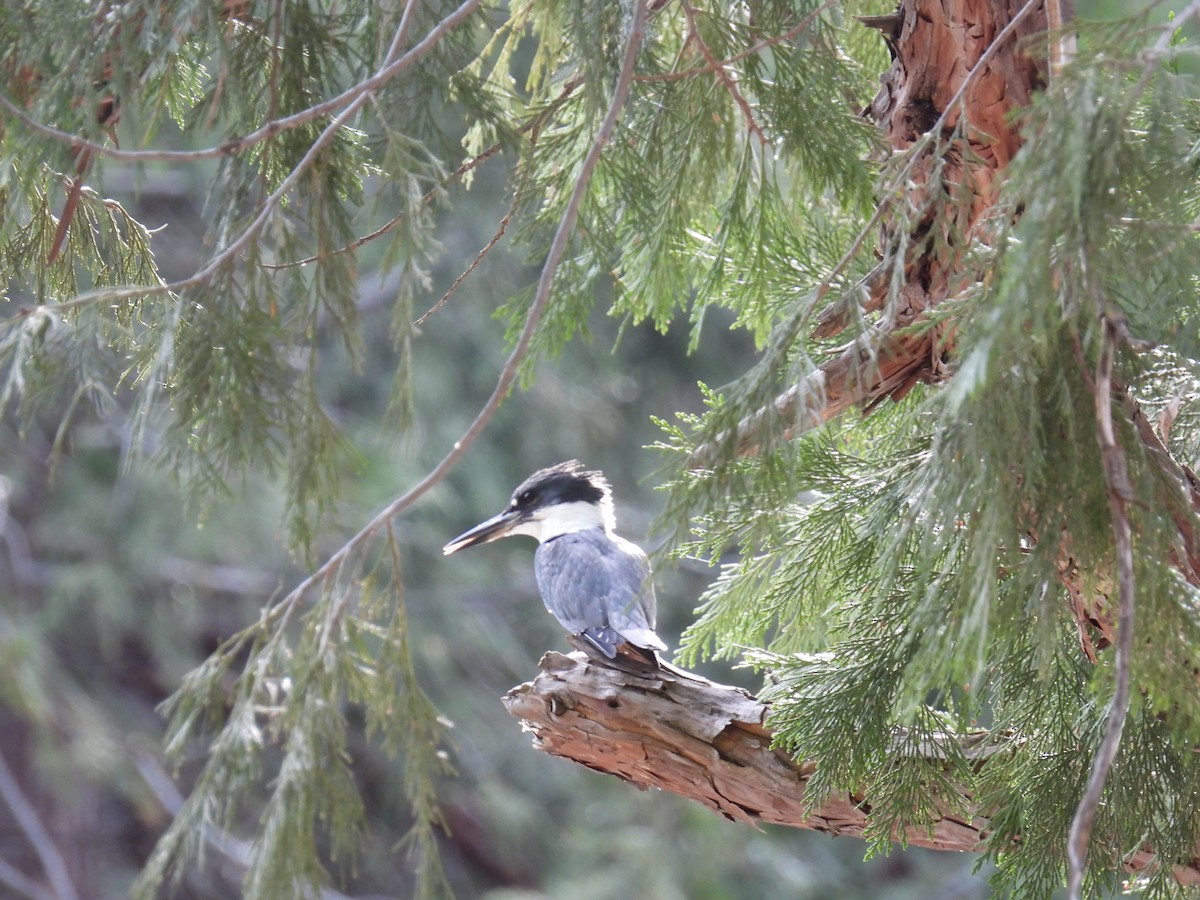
point(494, 528)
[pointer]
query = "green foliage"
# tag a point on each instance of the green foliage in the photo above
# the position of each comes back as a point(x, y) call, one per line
point(348, 650)
point(924, 557)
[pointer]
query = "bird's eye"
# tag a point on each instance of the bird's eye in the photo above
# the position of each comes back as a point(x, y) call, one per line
point(526, 497)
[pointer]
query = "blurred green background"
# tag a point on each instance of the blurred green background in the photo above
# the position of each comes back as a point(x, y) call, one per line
point(113, 586)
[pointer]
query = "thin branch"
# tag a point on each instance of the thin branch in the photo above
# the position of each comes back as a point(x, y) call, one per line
point(394, 220)
point(533, 125)
point(508, 374)
point(392, 68)
point(723, 76)
point(360, 92)
point(749, 51)
point(270, 129)
point(1116, 477)
point(466, 273)
point(401, 34)
point(1163, 44)
point(483, 156)
point(16, 880)
point(36, 833)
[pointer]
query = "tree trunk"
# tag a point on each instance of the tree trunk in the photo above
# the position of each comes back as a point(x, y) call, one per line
point(681, 733)
point(952, 71)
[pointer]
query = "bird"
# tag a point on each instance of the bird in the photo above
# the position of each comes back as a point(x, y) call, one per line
point(597, 584)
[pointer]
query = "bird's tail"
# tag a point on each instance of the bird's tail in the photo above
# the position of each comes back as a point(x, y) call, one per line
point(627, 657)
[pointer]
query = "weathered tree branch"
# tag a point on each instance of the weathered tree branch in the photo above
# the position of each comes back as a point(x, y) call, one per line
point(681, 733)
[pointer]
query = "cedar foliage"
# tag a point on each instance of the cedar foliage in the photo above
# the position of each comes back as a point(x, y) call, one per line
point(900, 570)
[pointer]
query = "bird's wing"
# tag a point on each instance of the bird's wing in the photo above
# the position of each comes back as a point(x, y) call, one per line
point(588, 580)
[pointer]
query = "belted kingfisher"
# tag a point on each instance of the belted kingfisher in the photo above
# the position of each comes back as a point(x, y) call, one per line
point(595, 583)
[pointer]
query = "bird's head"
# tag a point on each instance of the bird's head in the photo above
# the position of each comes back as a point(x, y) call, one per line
point(550, 502)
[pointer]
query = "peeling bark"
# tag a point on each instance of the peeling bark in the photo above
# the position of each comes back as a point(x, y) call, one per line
point(943, 51)
point(678, 732)
point(952, 72)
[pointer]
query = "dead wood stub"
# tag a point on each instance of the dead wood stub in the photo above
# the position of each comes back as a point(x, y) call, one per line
point(692, 737)
point(708, 742)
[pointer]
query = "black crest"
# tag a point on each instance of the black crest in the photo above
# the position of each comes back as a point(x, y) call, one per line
point(567, 482)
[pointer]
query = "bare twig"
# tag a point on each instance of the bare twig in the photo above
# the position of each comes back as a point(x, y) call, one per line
point(1116, 477)
point(35, 832)
point(466, 273)
point(394, 220)
point(401, 34)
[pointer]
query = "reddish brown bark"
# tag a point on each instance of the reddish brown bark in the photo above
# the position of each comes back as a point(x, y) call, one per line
point(950, 73)
point(945, 50)
point(690, 736)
